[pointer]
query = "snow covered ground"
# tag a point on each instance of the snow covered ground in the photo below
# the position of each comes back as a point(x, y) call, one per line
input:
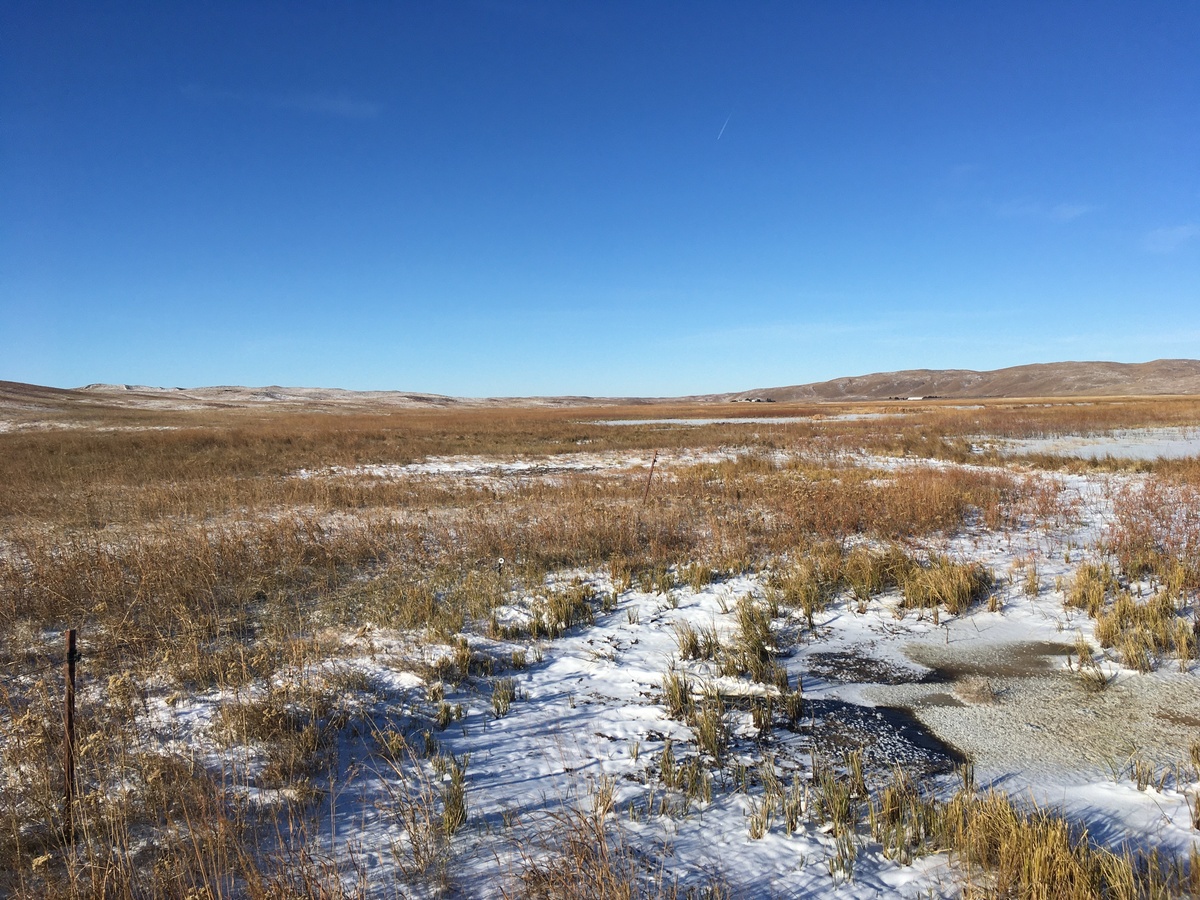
point(749, 420)
point(1128, 443)
point(486, 467)
point(588, 725)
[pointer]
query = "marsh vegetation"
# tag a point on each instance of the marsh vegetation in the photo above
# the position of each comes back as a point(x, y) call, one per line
point(369, 653)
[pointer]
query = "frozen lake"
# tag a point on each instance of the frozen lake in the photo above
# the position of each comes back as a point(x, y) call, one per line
point(745, 420)
point(1131, 443)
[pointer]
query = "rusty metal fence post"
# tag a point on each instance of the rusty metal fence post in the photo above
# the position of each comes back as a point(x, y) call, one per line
point(69, 737)
point(649, 478)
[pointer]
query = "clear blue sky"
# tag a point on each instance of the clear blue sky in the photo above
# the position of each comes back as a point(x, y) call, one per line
point(603, 198)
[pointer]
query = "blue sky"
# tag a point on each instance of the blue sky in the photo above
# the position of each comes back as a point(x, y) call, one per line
point(509, 198)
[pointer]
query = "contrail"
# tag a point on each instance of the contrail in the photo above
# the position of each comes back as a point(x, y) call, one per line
point(727, 118)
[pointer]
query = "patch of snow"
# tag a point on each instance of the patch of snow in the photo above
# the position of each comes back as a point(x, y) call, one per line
point(1130, 443)
point(489, 467)
point(748, 420)
point(589, 710)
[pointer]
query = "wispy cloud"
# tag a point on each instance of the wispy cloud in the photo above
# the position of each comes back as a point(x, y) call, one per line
point(1033, 209)
point(1170, 239)
point(1065, 212)
point(321, 103)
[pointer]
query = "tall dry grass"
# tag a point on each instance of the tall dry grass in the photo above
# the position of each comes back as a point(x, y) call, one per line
point(1156, 532)
point(191, 556)
point(408, 556)
point(1154, 538)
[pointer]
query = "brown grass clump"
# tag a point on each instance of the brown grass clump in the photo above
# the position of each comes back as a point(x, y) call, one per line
point(293, 724)
point(943, 582)
point(583, 855)
point(710, 726)
point(705, 715)
point(754, 647)
point(1141, 630)
point(696, 643)
point(1001, 847)
point(677, 694)
point(868, 573)
point(1144, 631)
point(1090, 588)
point(1006, 850)
point(1157, 532)
point(827, 569)
point(1031, 855)
point(900, 818)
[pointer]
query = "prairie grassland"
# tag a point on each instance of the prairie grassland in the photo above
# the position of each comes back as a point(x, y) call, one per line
point(185, 536)
point(196, 559)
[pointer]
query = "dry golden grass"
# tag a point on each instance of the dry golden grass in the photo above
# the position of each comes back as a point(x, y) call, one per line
point(190, 555)
point(1006, 849)
point(147, 824)
point(945, 583)
point(212, 570)
point(1157, 532)
point(1155, 536)
point(154, 465)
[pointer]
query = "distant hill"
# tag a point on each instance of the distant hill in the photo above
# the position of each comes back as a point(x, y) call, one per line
point(32, 399)
point(236, 396)
point(1061, 379)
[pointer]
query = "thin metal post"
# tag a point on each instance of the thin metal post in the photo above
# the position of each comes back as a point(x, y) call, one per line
point(69, 737)
point(649, 478)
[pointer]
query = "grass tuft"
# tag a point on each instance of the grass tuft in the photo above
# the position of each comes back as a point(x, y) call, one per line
point(945, 583)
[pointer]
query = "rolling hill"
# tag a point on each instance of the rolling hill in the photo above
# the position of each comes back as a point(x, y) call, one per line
point(1059, 379)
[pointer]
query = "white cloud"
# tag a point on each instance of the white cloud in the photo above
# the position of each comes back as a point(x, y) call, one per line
point(330, 105)
point(1170, 239)
point(1034, 209)
point(1065, 212)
